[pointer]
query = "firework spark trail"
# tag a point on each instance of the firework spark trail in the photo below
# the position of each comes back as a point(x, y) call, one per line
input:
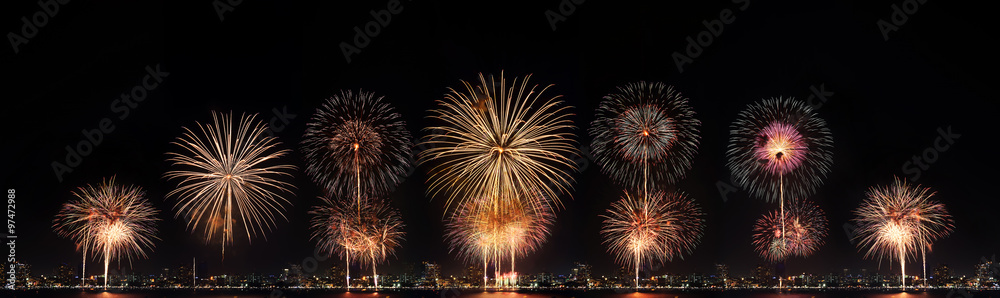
point(808, 228)
point(895, 220)
point(111, 220)
point(379, 231)
point(656, 227)
point(528, 228)
point(499, 142)
point(332, 229)
point(225, 177)
point(642, 131)
point(472, 232)
point(77, 220)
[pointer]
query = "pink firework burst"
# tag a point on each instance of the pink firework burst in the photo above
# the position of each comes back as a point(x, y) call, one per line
point(780, 148)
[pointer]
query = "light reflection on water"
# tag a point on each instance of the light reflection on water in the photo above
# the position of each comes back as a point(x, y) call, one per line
point(482, 294)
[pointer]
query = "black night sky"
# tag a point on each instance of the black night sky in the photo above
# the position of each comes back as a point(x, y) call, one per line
point(888, 101)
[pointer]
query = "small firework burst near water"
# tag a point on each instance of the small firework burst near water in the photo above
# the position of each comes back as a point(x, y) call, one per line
point(492, 233)
point(111, 220)
point(357, 144)
point(655, 227)
point(645, 134)
point(780, 146)
point(805, 231)
point(897, 220)
point(228, 175)
point(379, 231)
point(367, 231)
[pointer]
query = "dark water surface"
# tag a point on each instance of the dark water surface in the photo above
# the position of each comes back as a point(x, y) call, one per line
point(455, 293)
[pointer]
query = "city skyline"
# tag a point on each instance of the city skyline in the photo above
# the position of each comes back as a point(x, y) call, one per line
point(428, 275)
point(910, 107)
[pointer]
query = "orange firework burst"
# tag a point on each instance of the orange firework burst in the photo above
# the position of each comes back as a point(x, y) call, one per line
point(655, 227)
point(111, 220)
point(897, 220)
point(367, 231)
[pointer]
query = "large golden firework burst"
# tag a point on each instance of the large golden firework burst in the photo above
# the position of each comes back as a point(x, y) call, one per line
point(500, 141)
point(228, 175)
